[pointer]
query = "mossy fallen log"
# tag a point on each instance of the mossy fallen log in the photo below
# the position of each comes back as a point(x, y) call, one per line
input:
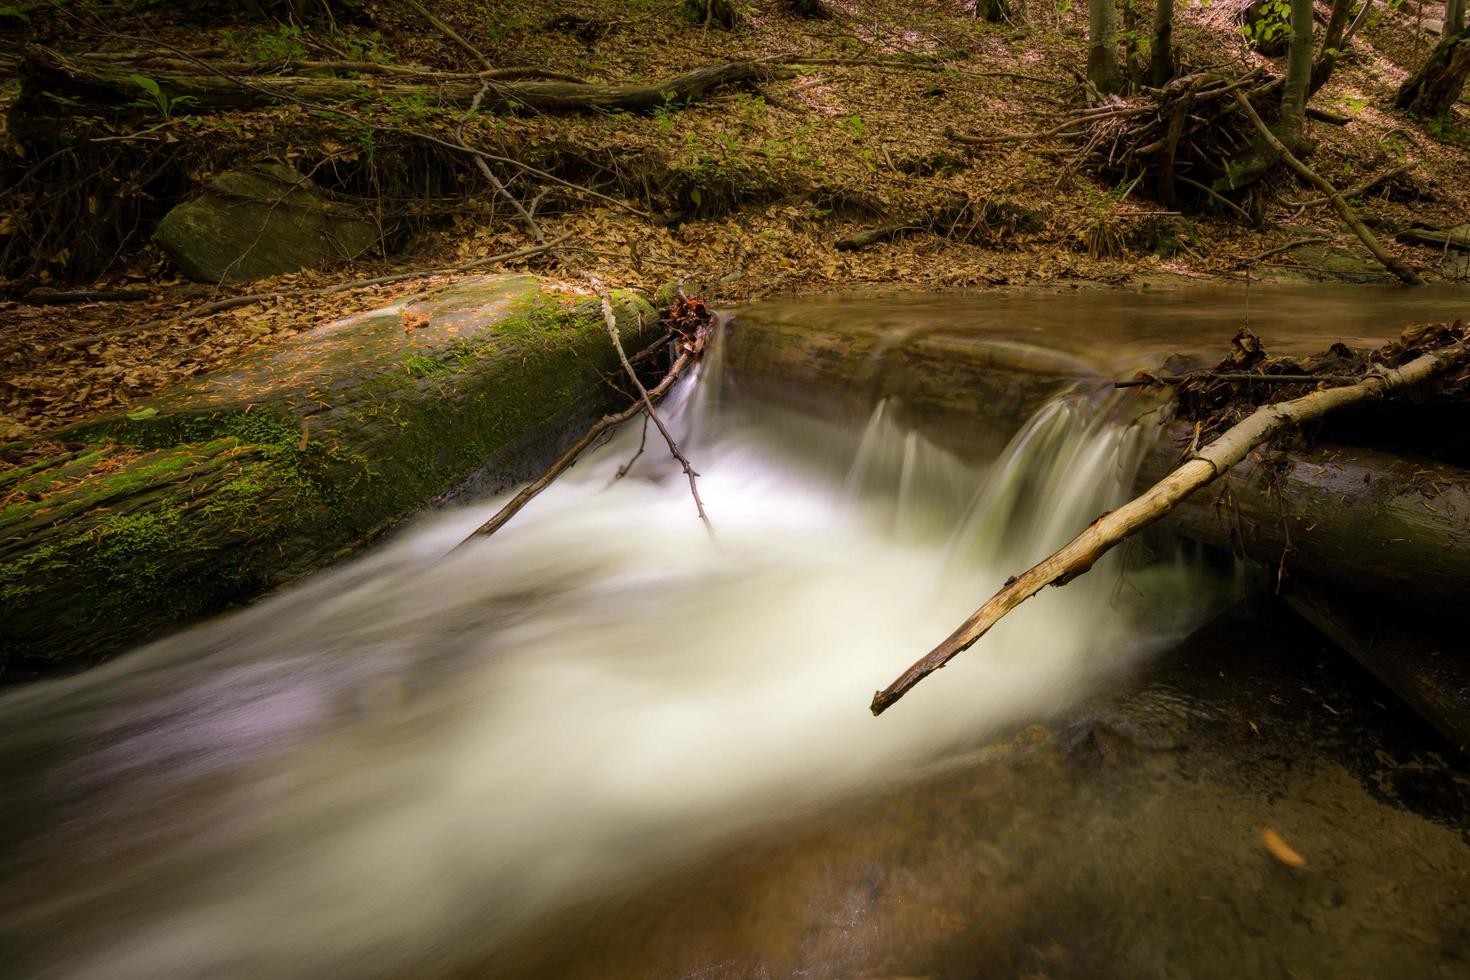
point(249, 478)
point(203, 90)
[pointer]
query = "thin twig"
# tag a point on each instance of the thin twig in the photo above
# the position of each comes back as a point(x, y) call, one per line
point(611, 320)
point(1179, 379)
point(531, 490)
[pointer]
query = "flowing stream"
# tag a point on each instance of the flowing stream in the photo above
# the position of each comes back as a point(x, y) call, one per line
point(419, 763)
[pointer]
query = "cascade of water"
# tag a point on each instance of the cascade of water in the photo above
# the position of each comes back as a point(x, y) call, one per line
point(400, 763)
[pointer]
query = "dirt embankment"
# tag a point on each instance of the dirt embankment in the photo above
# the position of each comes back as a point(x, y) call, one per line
point(745, 189)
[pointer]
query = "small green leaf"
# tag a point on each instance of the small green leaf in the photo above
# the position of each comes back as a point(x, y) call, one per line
point(140, 414)
point(146, 84)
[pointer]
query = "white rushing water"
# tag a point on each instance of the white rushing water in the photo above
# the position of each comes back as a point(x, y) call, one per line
point(395, 766)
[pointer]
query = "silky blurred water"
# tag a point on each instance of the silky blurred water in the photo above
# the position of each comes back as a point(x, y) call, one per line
point(400, 765)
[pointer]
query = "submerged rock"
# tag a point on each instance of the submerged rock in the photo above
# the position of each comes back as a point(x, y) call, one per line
point(253, 476)
point(263, 221)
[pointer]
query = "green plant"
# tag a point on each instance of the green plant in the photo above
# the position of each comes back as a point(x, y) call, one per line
point(1270, 23)
point(159, 100)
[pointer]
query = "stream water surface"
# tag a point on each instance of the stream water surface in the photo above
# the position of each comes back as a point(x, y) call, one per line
point(605, 743)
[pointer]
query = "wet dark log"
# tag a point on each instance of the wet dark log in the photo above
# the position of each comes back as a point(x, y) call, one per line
point(1393, 525)
point(213, 92)
point(1373, 522)
point(1194, 470)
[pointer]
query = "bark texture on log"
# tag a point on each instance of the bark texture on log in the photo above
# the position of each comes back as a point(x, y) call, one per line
point(212, 92)
point(1361, 519)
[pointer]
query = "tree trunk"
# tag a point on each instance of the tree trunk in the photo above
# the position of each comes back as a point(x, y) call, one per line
point(994, 11)
point(1258, 160)
point(713, 13)
point(1102, 46)
point(810, 9)
point(1332, 43)
point(1454, 18)
point(1161, 57)
point(1290, 123)
point(1436, 87)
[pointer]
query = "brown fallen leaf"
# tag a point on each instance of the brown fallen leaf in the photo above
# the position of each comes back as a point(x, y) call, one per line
point(1280, 850)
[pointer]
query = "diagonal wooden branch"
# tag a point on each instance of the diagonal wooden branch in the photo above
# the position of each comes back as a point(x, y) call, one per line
point(1400, 271)
point(450, 33)
point(1079, 555)
point(565, 461)
point(612, 330)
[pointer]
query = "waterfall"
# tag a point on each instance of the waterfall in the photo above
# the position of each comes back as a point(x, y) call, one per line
point(402, 763)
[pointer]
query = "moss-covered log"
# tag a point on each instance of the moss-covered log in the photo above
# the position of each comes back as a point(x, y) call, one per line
point(205, 91)
point(244, 480)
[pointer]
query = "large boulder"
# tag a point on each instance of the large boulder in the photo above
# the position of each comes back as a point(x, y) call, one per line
point(259, 222)
point(246, 479)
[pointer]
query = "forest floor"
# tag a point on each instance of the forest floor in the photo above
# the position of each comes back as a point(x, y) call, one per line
point(742, 196)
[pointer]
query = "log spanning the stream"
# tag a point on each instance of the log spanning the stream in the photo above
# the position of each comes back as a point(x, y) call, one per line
point(1201, 469)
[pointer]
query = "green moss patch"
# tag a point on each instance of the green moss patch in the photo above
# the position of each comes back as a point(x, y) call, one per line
point(116, 530)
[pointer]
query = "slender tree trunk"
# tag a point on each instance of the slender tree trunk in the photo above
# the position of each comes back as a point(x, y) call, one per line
point(1161, 57)
point(1332, 43)
point(1260, 157)
point(1290, 123)
point(1102, 46)
point(1454, 18)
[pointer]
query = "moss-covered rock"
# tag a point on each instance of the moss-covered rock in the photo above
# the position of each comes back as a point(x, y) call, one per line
point(248, 478)
point(263, 221)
